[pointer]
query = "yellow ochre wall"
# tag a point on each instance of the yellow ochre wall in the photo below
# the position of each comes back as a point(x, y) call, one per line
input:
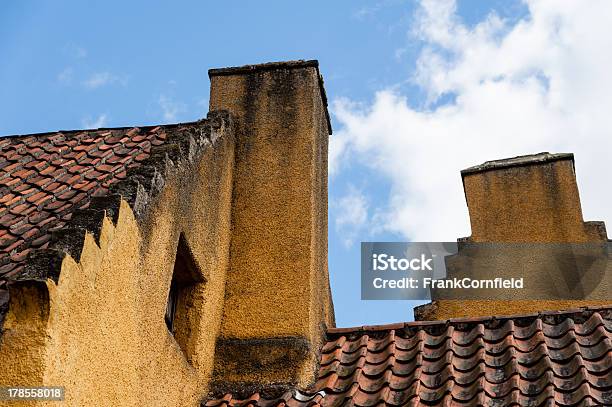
point(253, 211)
point(523, 200)
point(105, 338)
point(534, 202)
point(278, 300)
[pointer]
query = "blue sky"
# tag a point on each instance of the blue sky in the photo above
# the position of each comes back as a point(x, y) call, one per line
point(402, 76)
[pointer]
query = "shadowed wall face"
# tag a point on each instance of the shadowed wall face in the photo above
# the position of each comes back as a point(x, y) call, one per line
point(277, 297)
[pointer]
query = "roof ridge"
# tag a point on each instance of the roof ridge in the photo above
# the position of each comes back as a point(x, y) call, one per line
point(548, 315)
point(138, 189)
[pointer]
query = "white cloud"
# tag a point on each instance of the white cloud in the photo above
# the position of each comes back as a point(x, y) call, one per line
point(75, 51)
point(65, 77)
point(374, 7)
point(539, 84)
point(80, 52)
point(366, 11)
point(94, 123)
point(171, 109)
point(100, 79)
point(352, 214)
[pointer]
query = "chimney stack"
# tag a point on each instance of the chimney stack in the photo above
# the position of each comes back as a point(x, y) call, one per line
point(278, 300)
point(533, 198)
point(514, 203)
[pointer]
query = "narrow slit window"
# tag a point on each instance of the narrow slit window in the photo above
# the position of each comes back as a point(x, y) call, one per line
point(186, 276)
point(173, 298)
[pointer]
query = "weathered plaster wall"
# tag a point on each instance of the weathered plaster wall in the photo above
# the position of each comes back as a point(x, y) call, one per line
point(24, 340)
point(253, 211)
point(449, 309)
point(102, 333)
point(278, 299)
point(527, 203)
point(524, 200)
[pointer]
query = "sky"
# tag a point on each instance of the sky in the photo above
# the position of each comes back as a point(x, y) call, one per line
point(418, 90)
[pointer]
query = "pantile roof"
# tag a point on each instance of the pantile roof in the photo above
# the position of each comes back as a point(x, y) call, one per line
point(45, 179)
point(553, 358)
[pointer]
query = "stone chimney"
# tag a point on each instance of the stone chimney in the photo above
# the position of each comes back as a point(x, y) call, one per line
point(278, 300)
point(528, 209)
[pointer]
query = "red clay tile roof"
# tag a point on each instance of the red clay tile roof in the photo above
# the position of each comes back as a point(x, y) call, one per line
point(46, 178)
point(556, 358)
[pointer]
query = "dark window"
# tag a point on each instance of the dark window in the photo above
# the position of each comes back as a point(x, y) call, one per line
point(185, 278)
point(173, 298)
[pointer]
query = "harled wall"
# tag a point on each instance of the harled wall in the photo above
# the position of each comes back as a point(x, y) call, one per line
point(278, 301)
point(101, 332)
point(253, 210)
point(529, 199)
